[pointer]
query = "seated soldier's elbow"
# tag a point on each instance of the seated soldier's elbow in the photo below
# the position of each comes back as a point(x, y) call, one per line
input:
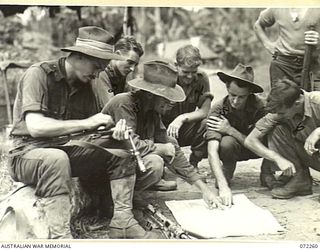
point(36, 127)
point(35, 131)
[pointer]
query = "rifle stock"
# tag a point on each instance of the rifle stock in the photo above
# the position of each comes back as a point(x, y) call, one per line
point(305, 79)
point(170, 229)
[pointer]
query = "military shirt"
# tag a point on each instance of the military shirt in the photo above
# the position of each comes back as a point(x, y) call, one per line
point(300, 126)
point(148, 129)
point(242, 120)
point(196, 93)
point(109, 83)
point(44, 88)
point(291, 33)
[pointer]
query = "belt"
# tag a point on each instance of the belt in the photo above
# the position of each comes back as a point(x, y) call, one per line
point(297, 59)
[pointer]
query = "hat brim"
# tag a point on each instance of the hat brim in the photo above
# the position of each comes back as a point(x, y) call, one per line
point(94, 53)
point(227, 78)
point(175, 94)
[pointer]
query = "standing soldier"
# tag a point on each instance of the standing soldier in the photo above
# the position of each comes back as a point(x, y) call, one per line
point(298, 27)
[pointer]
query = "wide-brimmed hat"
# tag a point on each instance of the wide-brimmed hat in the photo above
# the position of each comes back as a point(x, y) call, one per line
point(244, 74)
point(96, 42)
point(160, 78)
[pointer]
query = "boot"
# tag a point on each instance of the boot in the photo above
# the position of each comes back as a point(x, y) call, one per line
point(164, 185)
point(57, 211)
point(267, 178)
point(299, 185)
point(123, 225)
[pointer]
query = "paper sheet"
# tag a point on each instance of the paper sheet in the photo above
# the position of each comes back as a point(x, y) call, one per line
point(243, 219)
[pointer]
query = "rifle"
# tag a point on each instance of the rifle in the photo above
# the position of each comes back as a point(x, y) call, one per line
point(305, 79)
point(171, 230)
point(86, 139)
point(103, 133)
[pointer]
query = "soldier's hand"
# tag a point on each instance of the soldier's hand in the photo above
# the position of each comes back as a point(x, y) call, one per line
point(287, 167)
point(219, 124)
point(212, 200)
point(311, 37)
point(310, 143)
point(226, 196)
point(121, 130)
point(174, 127)
point(98, 120)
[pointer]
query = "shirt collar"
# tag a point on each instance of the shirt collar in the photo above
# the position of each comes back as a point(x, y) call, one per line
point(60, 73)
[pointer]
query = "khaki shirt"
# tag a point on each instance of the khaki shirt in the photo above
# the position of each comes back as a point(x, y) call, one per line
point(300, 126)
point(196, 93)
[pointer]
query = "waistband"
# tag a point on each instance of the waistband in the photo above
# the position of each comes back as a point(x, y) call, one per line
point(297, 59)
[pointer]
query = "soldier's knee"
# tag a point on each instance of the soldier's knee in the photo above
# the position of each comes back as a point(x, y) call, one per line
point(157, 165)
point(57, 163)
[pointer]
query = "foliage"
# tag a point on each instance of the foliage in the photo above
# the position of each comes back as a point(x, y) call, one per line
point(234, 43)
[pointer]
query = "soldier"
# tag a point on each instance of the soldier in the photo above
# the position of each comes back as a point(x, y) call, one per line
point(186, 120)
point(113, 80)
point(298, 27)
point(157, 93)
point(229, 122)
point(292, 126)
point(55, 98)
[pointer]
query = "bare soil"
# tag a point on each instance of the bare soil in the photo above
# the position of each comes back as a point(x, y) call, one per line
point(299, 216)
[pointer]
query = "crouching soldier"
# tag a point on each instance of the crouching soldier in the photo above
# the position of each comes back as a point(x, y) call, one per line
point(157, 93)
point(292, 126)
point(55, 99)
point(229, 122)
point(186, 120)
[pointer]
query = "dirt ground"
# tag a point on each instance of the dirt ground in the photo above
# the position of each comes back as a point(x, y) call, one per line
point(299, 216)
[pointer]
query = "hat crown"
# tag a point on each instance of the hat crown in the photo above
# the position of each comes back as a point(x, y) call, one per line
point(161, 73)
point(96, 34)
point(243, 72)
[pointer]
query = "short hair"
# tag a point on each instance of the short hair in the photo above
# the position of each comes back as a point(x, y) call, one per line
point(283, 94)
point(189, 56)
point(128, 43)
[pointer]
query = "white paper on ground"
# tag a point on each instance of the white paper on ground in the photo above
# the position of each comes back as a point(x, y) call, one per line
point(244, 218)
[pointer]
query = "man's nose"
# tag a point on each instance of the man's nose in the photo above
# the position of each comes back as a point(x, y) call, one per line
point(132, 68)
point(235, 100)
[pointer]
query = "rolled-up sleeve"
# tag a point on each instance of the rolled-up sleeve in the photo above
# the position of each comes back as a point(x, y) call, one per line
point(180, 165)
point(267, 17)
point(205, 89)
point(35, 91)
point(215, 111)
point(267, 123)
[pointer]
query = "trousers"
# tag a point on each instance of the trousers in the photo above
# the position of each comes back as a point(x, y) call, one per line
point(290, 67)
point(50, 169)
point(282, 142)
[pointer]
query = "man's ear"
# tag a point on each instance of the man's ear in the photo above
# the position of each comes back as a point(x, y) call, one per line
point(118, 52)
point(299, 100)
